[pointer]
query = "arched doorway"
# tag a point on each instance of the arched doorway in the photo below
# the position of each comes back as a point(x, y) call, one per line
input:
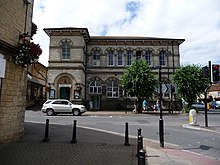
point(64, 87)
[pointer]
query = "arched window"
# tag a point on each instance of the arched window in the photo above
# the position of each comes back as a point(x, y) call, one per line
point(162, 58)
point(65, 50)
point(112, 89)
point(95, 87)
point(148, 56)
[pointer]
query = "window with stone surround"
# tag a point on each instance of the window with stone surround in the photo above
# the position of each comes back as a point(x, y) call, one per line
point(95, 87)
point(112, 89)
point(129, 57)
point(65, 50)
point(120, 58)
point(96, 58)
point(148, 56)
point(138, 55)
point(162, 58)
point(110, 57)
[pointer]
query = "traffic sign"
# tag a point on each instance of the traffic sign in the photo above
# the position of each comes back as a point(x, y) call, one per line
point(168, 88)
point(164, 88)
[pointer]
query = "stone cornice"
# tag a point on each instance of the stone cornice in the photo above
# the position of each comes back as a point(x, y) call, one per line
point(68, 31)
point(66, 68)
point(114, 40)
point(67, 61)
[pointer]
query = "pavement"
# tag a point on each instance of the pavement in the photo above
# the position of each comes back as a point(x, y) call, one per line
point(94, 147)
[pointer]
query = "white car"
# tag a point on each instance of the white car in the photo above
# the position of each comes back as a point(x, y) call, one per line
point(53, 107)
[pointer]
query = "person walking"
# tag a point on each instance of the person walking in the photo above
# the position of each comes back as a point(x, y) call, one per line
point(144, 105)
point(158, 105)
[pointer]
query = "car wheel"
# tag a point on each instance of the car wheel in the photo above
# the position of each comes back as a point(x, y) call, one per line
point(50, 112)
point(76, 112)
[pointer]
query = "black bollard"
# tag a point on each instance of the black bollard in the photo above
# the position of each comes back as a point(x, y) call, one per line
point(139, 144)
point(141, 157)
point(74, 133)
point(126, 135)
point(139, 131)
point(46, 131)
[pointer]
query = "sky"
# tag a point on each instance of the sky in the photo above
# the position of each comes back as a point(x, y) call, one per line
point(196, 21)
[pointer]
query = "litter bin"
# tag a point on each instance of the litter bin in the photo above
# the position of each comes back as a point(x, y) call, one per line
point(192, 117)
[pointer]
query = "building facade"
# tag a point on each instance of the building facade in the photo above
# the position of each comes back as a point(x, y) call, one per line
point(36, 85)
point(88, 69)
point(15, 20)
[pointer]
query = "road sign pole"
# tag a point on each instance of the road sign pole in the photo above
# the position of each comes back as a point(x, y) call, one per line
point(161, 132)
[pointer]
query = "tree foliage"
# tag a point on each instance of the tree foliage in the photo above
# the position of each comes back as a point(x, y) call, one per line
point(190, 82)
point(139, 80)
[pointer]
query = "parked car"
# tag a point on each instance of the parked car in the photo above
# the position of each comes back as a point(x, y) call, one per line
point(53, 107)
point(215, 104)
point(199, 106)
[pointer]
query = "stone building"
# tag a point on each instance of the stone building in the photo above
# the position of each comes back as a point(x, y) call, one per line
point(36, 85)
point(15, 20)
point(88, 69)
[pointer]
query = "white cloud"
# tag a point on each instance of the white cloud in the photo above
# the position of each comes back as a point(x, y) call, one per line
point(196, 21)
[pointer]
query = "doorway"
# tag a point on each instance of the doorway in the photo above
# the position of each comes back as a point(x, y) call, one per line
point(65, 93)
point(96, 102)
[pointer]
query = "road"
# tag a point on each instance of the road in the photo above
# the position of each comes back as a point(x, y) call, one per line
point(199, 141)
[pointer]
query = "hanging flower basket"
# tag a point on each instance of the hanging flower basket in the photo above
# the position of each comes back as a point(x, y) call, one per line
point(28, 52)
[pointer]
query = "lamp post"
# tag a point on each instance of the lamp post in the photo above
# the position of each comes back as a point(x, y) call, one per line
point(161, 130)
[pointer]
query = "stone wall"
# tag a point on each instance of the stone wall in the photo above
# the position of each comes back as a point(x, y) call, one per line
point(13, 102)
point(14, 83)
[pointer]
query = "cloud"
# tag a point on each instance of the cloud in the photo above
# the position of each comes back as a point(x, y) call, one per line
point(198, 22)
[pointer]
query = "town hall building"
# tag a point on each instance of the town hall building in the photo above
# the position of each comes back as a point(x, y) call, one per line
point(87, 69)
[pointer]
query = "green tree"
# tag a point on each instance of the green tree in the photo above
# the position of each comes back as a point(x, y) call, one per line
point(190, 82)
point(139, 80)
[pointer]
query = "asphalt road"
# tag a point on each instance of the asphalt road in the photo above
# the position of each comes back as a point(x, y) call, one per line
point(199, 141)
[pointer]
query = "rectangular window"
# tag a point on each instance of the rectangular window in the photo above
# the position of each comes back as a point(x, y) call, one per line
point(162, 58)
point(96, 58)
point(138, 55)
point(129, 58)
point(66, 51)
point(148, 57)
point(120, 58)
point(110, 58)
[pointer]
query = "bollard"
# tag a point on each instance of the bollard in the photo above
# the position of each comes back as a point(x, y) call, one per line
point(126, 135)
point(141, 157)
point(74, 133)
point(139, 131)
point(139, 144)
point(46, 131)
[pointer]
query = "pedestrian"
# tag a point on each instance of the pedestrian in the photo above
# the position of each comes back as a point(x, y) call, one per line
point(155, 107)
point(158, 105)
point(144, 105)
point(135, 107)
